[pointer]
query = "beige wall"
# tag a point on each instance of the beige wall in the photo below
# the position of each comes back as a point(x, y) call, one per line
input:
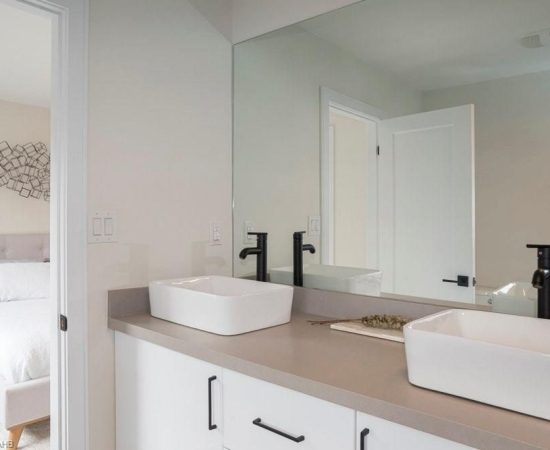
point(21, 124)
point(276, 155)
point(160, 155)
point(351, 148)
point(512, 161)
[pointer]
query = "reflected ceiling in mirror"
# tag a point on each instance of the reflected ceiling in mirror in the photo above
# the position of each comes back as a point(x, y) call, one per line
point(409, 139)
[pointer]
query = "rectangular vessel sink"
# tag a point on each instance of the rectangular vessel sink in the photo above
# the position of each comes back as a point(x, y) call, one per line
point(221, 305)
point(333, 278)
point(498, 359)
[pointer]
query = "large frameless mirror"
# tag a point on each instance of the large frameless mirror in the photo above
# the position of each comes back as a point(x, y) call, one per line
point(410, 140)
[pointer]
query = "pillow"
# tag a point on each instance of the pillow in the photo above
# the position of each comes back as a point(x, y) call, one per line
point(24, 280)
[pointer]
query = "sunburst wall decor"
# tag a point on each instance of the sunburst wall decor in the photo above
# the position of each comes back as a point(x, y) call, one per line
point(25, 169)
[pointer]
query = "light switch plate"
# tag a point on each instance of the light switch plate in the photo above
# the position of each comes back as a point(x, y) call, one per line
point(314, 226)
point(102, 227)
point(249, 226)
point(216, 236)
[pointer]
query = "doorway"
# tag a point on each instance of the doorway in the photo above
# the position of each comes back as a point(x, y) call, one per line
point(62, 162)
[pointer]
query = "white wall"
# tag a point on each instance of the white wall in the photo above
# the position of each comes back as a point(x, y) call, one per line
point(276, 155)
point(255, 17)
point(160, 155)
point(21, 124)
point(512, 161)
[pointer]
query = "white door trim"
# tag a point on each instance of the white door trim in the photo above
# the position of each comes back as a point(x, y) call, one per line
point(68, 219)
point(332, 99)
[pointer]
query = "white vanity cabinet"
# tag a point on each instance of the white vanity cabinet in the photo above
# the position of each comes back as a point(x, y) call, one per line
point(374, 433)
point(162, 399)
point(261, 415)
point(167, 400)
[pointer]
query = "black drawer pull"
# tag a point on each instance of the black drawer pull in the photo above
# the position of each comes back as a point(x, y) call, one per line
point(211, 426)
point(258, 423)
point(364, 435)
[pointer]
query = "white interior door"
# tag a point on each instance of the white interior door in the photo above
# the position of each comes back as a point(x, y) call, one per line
point(426, 208)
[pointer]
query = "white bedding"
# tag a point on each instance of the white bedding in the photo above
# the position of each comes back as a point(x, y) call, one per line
point(24, 340)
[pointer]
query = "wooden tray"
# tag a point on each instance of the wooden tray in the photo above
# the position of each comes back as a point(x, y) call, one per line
point(359, 328)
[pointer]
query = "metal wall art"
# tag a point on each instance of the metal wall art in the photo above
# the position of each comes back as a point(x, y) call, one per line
point(25, 169)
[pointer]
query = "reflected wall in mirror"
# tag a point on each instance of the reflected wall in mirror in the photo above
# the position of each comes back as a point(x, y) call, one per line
point(409, 139)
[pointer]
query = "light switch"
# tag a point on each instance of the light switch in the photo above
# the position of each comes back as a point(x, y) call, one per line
point(97, 226)
point(102, 227)
point(108, 226)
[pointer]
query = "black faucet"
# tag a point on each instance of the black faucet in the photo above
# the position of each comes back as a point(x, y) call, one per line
point(261, 255)
point(541, 279)
point(299, 249)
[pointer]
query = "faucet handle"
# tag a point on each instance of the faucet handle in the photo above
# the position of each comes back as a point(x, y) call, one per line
point(257, 233)
point(298, 234)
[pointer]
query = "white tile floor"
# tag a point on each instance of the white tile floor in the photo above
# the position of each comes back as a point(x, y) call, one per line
point(35, 437)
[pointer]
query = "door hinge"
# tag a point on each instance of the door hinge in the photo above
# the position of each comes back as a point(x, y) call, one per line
point(377, 150)
point(62, 322)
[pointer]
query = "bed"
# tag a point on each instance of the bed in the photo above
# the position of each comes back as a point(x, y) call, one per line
point(24, 332)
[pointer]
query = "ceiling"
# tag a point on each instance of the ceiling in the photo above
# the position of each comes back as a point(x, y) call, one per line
point(433, 44)
point(25, 56)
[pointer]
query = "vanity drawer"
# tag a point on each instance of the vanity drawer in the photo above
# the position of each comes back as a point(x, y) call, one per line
point(374, 433)
point(261, 415)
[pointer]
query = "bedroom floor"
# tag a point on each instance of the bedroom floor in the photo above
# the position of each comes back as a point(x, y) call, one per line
point(35, 437)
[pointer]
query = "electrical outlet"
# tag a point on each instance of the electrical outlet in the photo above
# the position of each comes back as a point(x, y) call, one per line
point(248, 227)
point(215, 233)
point(314, 226)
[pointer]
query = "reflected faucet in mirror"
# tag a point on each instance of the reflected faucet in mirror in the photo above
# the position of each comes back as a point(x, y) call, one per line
point(299, 249)
point(261, 255)
point(541, 279)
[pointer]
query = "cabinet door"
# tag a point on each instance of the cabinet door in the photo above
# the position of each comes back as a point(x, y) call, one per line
point(165, 400)
point(262, 416)
point(374, 433)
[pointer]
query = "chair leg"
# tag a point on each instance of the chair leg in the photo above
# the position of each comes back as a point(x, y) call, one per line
point(14, 434)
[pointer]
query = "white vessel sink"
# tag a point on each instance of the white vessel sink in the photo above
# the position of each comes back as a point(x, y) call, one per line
point(333, 278)
point(498, 359)
point(221, 305)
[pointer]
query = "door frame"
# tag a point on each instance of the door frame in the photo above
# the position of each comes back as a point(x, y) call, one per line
point(68, 218)
point(330, 99)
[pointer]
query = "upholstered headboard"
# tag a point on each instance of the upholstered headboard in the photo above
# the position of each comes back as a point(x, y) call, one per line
point(24, 247)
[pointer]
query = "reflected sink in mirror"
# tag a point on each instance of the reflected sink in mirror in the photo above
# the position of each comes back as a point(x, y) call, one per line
point(221, 305)
point(498, 359)
point(515, 298)
point(333, 278)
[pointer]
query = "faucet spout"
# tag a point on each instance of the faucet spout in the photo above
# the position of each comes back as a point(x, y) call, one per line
point(249, 251)
point(299, 249)
point(261, 255)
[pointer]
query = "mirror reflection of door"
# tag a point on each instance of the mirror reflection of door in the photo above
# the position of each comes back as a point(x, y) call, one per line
point(427, 204)
point(417, 191)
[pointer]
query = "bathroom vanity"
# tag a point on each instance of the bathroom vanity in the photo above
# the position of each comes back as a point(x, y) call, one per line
point(286, 387)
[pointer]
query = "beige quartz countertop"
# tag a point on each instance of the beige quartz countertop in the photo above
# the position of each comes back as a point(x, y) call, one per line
point(358, 372)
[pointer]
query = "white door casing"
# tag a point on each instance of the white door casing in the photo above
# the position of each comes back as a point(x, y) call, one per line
point(68, 111)
point(426, 203)
point(330, 99)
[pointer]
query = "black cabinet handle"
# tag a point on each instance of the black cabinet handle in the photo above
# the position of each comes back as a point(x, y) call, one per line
point(211, 426)
point(258, 423)
point(364, 435)
point(461, 280)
